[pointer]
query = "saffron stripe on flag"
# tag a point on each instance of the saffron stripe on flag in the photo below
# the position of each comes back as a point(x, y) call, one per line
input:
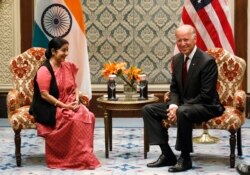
point(75, 8)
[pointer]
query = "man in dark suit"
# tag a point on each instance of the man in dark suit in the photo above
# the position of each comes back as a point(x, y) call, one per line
point(193, 99)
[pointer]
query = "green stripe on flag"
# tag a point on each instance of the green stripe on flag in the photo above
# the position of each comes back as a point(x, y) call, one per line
point(39, 38)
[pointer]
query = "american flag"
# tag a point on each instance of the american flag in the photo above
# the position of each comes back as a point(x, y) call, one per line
point(211, 19)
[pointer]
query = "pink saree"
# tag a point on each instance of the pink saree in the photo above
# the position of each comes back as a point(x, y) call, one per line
point(69, 145)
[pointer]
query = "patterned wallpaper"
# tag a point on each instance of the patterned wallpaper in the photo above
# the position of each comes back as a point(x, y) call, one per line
point(140, 32)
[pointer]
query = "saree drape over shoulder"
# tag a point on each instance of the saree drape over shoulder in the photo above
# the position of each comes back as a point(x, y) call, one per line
point(69, 144)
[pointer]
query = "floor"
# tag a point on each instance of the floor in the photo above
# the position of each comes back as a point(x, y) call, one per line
point(118, 123)
point(126, 157)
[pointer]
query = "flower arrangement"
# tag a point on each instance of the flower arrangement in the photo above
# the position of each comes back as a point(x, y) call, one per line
point(129, 76)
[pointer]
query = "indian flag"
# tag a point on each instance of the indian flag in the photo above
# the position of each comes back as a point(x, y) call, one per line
point(64, 18)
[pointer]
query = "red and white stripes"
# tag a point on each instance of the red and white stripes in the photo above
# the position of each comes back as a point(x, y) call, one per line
point(211, 18)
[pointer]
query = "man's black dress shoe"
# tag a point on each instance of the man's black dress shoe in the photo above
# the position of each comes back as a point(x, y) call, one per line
point(243, 169)
point(163, 161)
point(182, 165)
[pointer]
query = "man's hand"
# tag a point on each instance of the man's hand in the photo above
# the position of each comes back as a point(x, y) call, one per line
point(171, 113)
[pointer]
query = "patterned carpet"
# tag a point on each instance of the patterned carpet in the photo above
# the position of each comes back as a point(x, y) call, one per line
point(126, 157)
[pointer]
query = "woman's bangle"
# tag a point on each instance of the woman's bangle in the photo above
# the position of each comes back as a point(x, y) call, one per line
point(56, 103)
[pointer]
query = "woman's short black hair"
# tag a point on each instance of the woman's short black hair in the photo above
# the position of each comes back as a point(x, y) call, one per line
point(55, 43)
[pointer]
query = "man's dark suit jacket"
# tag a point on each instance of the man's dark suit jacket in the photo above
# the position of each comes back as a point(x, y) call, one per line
point(200, 86)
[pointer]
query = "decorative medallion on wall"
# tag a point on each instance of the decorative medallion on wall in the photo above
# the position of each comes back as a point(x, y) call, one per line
point(140, 32)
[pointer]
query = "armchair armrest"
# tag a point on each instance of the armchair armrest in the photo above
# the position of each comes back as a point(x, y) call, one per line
point(12, 101)
point(239, 101)
point(166, 96)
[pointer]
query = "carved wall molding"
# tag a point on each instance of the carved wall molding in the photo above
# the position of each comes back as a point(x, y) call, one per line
point(10, 39)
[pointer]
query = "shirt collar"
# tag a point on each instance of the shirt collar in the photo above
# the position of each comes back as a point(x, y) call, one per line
point(192, 53)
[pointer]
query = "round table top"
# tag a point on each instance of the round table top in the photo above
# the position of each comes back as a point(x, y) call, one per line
point(121, 99)
point(125, 104)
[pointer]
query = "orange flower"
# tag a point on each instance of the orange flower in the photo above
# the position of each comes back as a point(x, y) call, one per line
point(133, 73)
point(113, 68)
point(119, 69)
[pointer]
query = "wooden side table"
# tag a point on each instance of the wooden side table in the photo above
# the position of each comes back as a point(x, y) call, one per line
point(122, 104)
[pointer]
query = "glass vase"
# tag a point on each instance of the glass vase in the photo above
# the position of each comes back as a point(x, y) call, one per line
point(129, 91)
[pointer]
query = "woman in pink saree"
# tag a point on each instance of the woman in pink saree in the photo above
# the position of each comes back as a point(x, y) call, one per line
point(66, 125)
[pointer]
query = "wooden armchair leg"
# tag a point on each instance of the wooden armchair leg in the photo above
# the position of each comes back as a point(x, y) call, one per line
point(239, 142)
point(232, 142)
point(17, 140)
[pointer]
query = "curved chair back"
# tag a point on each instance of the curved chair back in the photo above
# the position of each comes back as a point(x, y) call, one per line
point(231, 73)
point(23, 68)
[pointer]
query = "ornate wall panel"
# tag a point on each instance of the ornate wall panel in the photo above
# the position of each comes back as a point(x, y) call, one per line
point(140, 32)
point(7, 39)
point(10, 39)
